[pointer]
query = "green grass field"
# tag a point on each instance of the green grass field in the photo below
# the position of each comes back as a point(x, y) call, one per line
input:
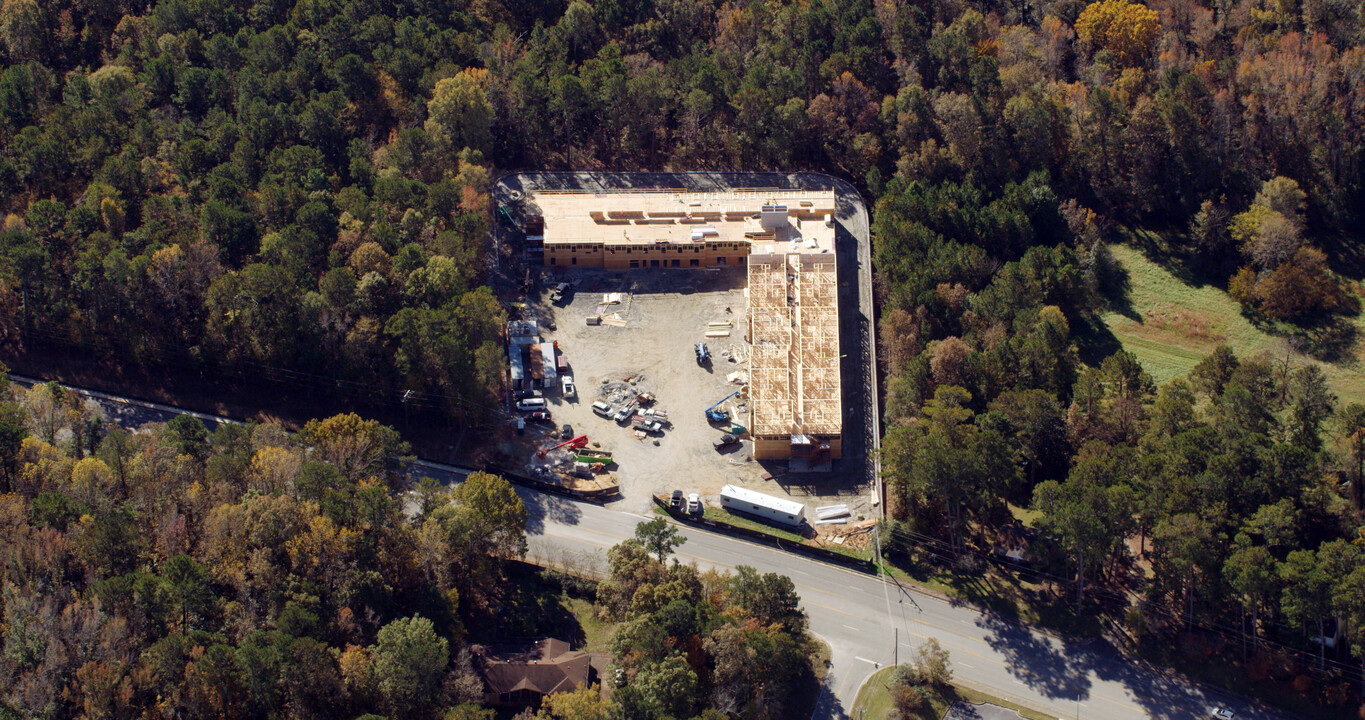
point(1173, 325)
point(874, 700)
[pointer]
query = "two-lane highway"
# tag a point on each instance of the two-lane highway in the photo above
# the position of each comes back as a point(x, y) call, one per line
point(867, 621)
point(870, 622)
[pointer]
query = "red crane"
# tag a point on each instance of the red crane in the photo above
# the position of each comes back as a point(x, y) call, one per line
point(578, 442)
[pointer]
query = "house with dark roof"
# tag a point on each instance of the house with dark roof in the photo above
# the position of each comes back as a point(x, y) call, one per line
point(521, 679)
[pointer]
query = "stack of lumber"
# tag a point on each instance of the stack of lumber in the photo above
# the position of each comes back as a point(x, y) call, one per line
point(718, 328)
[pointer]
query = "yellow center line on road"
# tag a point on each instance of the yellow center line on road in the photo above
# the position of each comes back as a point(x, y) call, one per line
point(951, 632)
point(831, 609)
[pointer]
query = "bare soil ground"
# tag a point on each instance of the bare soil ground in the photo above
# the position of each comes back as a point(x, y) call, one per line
point(666, 313)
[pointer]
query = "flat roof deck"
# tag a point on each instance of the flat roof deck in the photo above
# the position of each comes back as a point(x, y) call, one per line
point(683, 217)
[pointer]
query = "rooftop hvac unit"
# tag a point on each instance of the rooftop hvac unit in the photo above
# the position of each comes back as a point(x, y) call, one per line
point(773, 216)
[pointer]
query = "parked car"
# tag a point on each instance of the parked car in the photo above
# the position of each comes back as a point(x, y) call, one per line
point(532, 403)
point(619, 677)
point(1221, 713)
point(625, 412)
point(538, 416)
point(566, 432)
point(566, 383)
point(703, 354)
point(694, 504)
point(527, 393)
point(601, 408)
point(724, 441)
point(675, 502)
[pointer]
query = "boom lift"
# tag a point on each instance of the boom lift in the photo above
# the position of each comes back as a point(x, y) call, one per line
point(714, 415)
point(575, 443)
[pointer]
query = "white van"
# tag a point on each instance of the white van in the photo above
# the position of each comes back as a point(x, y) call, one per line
point(531, 404)
point(602, 409)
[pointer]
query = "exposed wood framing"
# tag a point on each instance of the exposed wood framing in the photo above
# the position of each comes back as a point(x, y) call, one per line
point(794, 329)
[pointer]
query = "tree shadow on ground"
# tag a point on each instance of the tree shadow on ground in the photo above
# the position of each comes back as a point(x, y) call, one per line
point(531, 607)
point(1066, 671)
point(1160, 692)
point(542, 508)
point(1331, 339)
point(1345, 254)
point(1094, 340)
point(1047, 666)
point(1114, 285)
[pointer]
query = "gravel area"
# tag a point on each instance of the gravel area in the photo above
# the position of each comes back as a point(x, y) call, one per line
point(667, 313)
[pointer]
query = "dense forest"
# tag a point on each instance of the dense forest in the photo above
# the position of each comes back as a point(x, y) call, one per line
point(299, 190)
point(250, 573)
point(296, 191)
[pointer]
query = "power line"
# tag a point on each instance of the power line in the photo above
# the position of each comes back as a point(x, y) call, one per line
point(941, 550)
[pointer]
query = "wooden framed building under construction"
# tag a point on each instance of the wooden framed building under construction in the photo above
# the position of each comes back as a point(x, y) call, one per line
point(794, 391)
point(785, 239)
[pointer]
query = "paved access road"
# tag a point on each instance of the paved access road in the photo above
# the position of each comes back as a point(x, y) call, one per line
point(868, 622)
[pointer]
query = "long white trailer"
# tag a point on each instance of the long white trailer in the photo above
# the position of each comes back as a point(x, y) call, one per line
point(778, 510)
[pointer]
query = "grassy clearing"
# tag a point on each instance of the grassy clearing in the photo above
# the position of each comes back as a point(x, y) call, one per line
point(1171, 325)
point(874, 700)
point(721, 515)
point(545, 603)
point(1024, 515)
point(596, 632)
point(874, 697)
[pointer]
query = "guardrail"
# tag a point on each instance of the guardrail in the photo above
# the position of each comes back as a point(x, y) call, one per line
point(829, 556)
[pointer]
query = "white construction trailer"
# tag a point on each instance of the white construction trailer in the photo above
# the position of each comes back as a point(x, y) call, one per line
point(767, 507)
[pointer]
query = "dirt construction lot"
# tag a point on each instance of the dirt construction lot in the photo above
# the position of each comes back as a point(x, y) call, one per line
point(666, 312)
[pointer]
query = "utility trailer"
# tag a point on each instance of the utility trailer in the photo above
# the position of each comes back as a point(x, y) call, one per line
point(766, 507)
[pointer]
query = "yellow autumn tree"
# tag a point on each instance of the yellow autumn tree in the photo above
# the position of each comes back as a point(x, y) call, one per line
point(91, 481)
point(1126, 29)
point(273, 468)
